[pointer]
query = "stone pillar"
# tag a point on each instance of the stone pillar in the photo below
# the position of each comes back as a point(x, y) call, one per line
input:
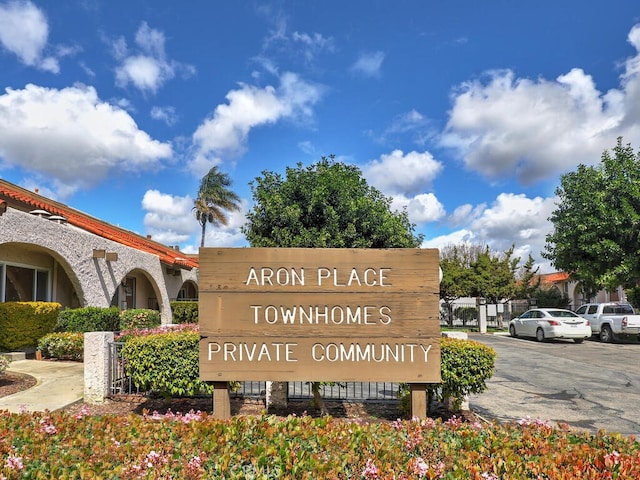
point(482, 317)
point(277, 395)
point(96, 366)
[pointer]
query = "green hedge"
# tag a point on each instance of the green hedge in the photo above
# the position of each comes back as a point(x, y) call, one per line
point(62, 345)
point(23, 323)
point(89, 319)
point(139, 318)
point(184, 312)
point(465, 367)
point(165, 363)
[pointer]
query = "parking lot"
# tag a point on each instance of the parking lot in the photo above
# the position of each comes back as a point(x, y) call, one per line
point(590, 386)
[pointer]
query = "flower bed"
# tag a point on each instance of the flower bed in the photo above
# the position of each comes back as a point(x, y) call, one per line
point(195, 446)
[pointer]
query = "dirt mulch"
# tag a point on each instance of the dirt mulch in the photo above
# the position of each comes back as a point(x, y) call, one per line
point(13, 382)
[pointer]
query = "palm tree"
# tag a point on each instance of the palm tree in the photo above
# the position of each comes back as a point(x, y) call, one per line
point(214, 199)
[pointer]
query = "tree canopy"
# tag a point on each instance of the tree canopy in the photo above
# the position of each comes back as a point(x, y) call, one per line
point(327, 204)
point(476, 271)
point(214, 199)
point(596, 225)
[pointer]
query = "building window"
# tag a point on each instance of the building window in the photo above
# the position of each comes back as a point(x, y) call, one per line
point(24, 284)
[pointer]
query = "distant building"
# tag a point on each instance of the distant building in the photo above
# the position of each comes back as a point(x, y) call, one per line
point(573, 291)
point(52, 252)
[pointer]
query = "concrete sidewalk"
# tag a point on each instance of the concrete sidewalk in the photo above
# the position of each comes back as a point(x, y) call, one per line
point(58, 384)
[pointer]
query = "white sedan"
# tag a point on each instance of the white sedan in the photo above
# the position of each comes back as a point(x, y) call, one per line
point(544, 323)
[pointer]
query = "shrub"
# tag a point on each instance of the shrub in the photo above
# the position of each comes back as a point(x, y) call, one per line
point(4, 363)
point(184, 312)
point(166, 363)
point(23, 323)
point(139, 318)
point(62, 345)
point(194, 445)
point(88, 319)
point(125, 335)
point(465, 367)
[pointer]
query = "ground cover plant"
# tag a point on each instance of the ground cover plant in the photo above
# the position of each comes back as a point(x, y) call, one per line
point(196, 446)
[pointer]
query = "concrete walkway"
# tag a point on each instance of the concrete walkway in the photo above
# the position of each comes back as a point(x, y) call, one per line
point(58, 384)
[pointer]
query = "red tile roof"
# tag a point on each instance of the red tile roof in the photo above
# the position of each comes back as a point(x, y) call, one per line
point(25, 200)
point(554, 277)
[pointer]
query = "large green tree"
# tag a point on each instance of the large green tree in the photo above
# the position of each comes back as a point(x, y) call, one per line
point(325, 205)
point(596, 223)
point(214, 200)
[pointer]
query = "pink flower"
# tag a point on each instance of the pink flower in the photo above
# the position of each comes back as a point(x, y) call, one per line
point(420, 467)
point(47, 427)
point(14, 463)
point(82, 412)
point(370, 470)
point(611, 459)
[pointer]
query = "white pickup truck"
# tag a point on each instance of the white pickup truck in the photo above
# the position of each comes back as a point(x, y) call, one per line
point(611, 319)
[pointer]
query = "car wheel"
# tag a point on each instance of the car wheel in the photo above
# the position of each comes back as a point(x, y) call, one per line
point(512, 331)
point(540, 335)
point(578, 340)
point(606, 335)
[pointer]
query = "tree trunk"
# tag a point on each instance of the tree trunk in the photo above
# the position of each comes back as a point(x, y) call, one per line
point(318, 401)
point(204, 228)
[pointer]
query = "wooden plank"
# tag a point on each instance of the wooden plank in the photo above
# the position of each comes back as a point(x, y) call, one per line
point(418, 392)
point(221, 400)
point(380, 359)
point(314, 270)
point(332, 313)
point(287, 314)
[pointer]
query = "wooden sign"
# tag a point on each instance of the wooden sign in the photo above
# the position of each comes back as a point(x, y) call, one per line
point(287, 314)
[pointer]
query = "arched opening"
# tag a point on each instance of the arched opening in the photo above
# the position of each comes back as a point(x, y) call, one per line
point(29, 272)
point(188, 292)
point(137, 289)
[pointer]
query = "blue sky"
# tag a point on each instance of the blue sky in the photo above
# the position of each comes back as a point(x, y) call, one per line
point(465, 115)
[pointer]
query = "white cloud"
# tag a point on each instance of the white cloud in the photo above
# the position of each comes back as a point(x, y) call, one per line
point(465, 214)
point(454, 238)
point(512, 219)
point(226, 131)
point(165, 114)
point(228, 235)
point(515, 219)
point(150, 68)
point(369, 64)
point(422, 208)
point(72, 137)
point(169, 218)
point(313, 44)
point(412, 124)
point(397, 173)
point(24, 32)
point(537, 129)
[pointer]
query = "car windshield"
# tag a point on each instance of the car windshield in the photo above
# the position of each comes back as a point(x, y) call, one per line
point(561, 313)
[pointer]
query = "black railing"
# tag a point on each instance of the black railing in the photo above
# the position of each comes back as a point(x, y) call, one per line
point(120, 383)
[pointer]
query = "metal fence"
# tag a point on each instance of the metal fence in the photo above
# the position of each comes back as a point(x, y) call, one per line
point(120, 384)
point(119, 381)
point(348, 391)
point(465, 314)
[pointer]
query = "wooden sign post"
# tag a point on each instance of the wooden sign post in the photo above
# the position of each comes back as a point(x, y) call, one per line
point(296, 314)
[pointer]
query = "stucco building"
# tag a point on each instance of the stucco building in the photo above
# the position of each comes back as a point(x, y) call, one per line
point(573, 290)
point(52, 252)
